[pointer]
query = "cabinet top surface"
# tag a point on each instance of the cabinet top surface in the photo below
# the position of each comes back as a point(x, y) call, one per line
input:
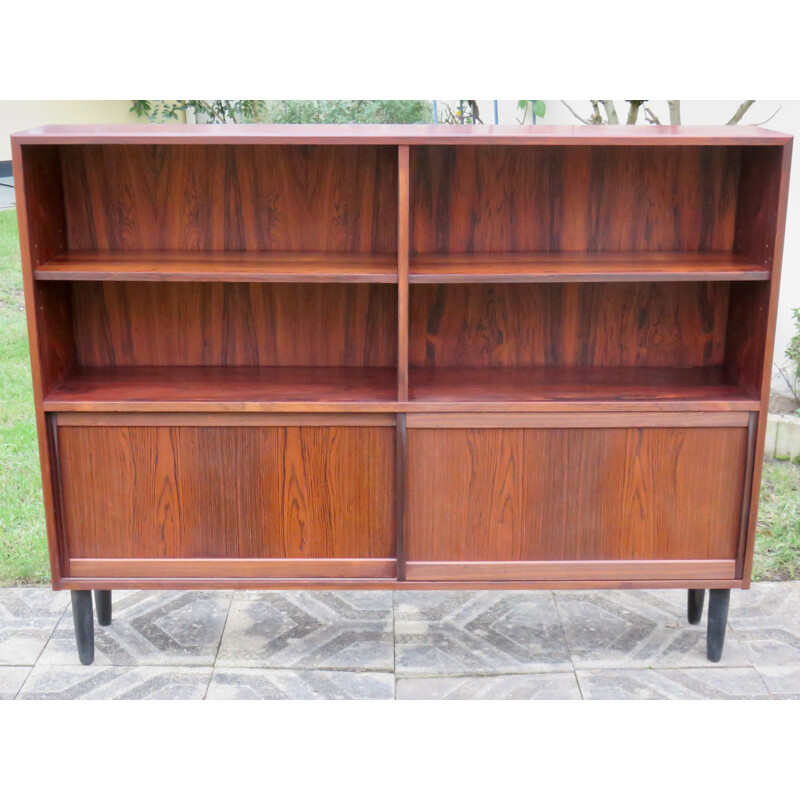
point(401, 134)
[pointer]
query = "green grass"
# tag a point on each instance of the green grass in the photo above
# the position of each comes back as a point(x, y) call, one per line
point(23, 544)
point(777, 556)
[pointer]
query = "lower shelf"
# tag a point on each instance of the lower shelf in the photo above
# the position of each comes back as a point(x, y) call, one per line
point(216, 389)
point(560, 388)
point(223, 388)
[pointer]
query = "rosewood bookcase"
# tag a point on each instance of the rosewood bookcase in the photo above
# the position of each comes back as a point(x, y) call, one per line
point(401, 357)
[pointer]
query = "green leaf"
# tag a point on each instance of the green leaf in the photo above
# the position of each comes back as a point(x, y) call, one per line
point(539, 107)
point(522, 104)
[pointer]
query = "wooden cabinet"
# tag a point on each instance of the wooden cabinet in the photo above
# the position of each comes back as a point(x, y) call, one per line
point(401, 357)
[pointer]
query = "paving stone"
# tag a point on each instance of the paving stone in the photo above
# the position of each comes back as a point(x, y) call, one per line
point(229, 683)
point(116, 683)
point(478, 633)
point(27, 618)
point(782, 682)
point(721, 683)
point(150, 628)
point(11, 680)
point(309, 630)
point(635, 629)
point(541, 686)
point(766, 619)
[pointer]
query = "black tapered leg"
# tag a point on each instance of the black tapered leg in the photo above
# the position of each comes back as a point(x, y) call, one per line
point(102, 604)
point(83, 617)
point(718, 602)
point(695, 605)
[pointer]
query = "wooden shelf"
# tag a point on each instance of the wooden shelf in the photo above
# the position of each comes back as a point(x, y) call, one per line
point(147, 265)
point(224, 389)
point(583, 267)
point(574, 388)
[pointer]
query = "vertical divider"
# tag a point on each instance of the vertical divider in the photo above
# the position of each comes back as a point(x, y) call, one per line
point(403, 233)
point(403, 236)
point(400, 495)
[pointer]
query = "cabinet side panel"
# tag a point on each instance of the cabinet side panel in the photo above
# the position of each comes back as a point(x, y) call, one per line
point(40, 213)
point(232, 197)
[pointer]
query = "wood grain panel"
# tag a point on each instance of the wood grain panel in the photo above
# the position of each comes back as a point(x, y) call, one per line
point(235, 324)
point(591, 199)
point(568, 325)
point(228, 492)
point(574, 494)
point(330, 199)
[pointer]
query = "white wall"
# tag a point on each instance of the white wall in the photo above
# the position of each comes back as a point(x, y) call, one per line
point(708, 112)
point(19, 115)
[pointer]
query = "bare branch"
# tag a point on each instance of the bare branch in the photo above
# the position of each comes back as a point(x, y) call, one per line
point(651, 117)
point(740, 112)
point(770, 116)
point(674, 112)
point(597, 116)
point(611, 112)
point(633, 111)
point(575, 114)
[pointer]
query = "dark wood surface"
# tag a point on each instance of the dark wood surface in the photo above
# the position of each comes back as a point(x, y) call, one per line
point(574, 494)
point(581, 199)
point(330, 199)
point(221, 388)
point(568, 325)
point(698, 387)
point(583, 267)
point(229, 492)
point(235, 324)
point(159, 265)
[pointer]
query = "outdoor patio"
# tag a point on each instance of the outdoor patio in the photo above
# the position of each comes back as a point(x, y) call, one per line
point(411, 645)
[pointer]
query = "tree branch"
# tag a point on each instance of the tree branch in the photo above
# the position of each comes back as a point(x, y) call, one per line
point(575, 114)
point(651, 117)
point(633, 111)
point(674, 112)
point(611, 112)
point(764, 122)
point(740, 112)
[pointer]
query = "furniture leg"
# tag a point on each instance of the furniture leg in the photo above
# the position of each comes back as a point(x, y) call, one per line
point(102, 604)
point(718, 602)
point(695, 605)
point(83, 617)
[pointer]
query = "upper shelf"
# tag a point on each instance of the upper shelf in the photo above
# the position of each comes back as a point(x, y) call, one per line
point(377, 268)
point(582, 267)
point(220, 266)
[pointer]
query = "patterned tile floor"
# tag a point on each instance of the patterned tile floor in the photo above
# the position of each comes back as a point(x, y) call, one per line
point(410, 645)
